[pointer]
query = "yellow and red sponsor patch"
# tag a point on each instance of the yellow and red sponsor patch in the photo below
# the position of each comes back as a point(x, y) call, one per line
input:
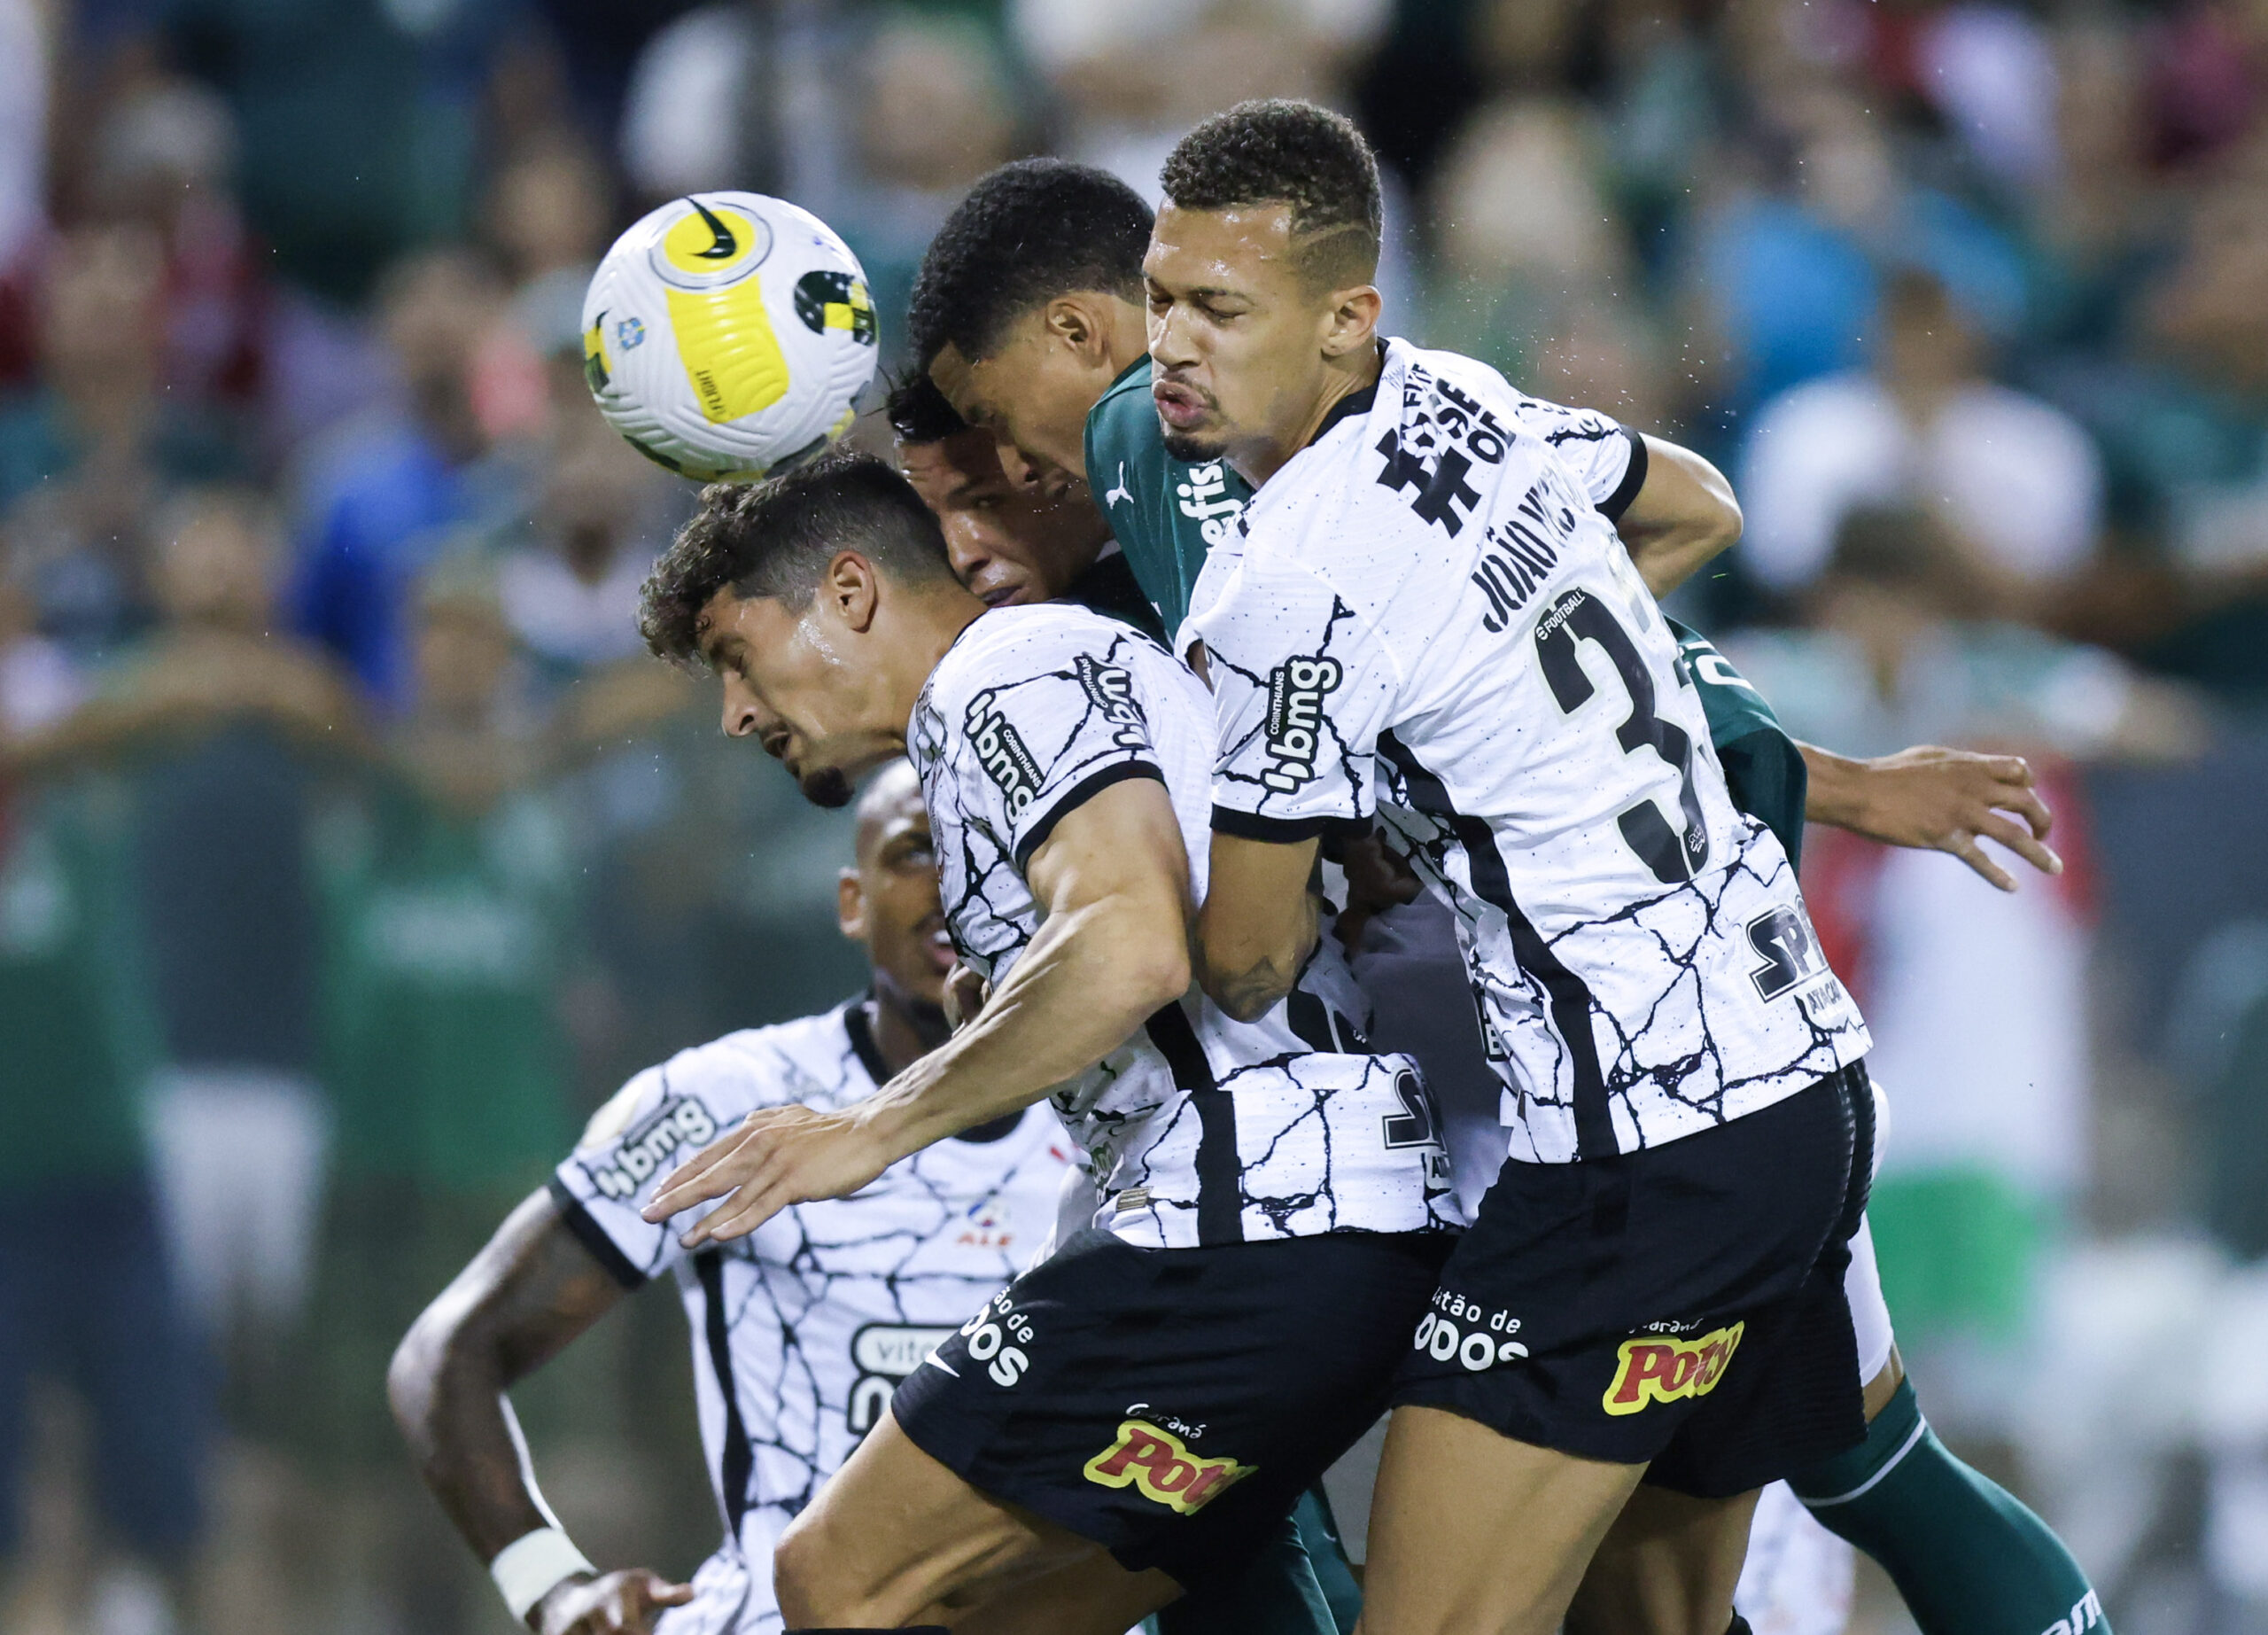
point(1665, 1368)
point(1160, 1466)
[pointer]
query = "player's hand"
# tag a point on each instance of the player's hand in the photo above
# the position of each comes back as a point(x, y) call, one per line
point(966, 992)
point(778, 1156)
point(1941, 799)
point(1378, 879)
point(623, 1603)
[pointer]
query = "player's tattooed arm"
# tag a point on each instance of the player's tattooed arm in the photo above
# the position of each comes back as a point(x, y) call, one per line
point(1111, 881)
point(1935, 799)
point(522, 1299)
point(1259, 923)
point(1682, 517)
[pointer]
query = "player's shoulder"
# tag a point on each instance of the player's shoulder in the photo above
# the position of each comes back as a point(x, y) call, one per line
point(1010, 644)
point(1132, 386)
point(811, 1059)
point(1123, 422)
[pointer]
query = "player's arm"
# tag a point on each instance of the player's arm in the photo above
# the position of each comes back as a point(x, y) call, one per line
point(1683, 515)
point(522, 1299)
point(1259, 923)
point(1112, 881)
point(1936, 800)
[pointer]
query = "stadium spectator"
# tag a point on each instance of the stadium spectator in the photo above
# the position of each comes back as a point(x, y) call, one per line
point(2015, 484)
point(87, 453)
point(399, 490)
point(601, 514)
point(1976, 998)
point(212, 723)
point(91, 1306)
point(449, 895)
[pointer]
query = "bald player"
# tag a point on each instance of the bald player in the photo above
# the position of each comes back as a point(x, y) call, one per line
point(801, 1332)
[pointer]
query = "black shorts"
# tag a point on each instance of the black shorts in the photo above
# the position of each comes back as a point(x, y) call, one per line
point(1680, 1307)
point(1172, 1404)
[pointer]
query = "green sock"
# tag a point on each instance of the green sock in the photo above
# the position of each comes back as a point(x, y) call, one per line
point(1966, 1556)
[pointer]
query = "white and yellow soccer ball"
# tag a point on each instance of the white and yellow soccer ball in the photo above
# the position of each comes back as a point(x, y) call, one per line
point(727, 335)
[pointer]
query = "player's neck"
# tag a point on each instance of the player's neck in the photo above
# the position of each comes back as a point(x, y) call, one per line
point(1127, 341)
point(1358, 371)
point(934, 624)
point(904, 1031)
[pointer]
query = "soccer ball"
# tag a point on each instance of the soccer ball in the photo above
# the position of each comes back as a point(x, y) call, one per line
point(727, 335)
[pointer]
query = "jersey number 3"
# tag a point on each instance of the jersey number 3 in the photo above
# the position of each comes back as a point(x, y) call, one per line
point(1578, 615)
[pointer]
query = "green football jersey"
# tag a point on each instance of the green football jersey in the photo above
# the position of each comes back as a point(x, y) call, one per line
point(1764, 770)
point(1167, 514)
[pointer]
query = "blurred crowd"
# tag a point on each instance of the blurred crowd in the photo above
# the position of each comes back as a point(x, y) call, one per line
point(351, 850)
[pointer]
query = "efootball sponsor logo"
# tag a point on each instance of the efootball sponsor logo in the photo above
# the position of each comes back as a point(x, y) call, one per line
point(1669, 1370)
point(679, 1124)
point(1296, 689)
point(1000, 751)
point(1159, 1465)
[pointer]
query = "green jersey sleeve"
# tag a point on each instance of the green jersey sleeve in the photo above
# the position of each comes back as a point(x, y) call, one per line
point(1164, 513)
point(1763, 768)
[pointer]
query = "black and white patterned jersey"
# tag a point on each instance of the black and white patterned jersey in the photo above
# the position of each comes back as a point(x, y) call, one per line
point(803, 1329)
point(1427, 617)
point(1200, 1129)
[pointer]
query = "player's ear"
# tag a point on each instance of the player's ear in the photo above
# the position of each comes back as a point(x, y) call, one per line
point(851, 906)
point(1353, 321)
point(852, 588)
point(1072, 321)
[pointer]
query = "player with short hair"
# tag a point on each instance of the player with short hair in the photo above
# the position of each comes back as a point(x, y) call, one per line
point(1453, 642)
point(800, 1333)
point(1009, 542)
point(1272, 1196)
point(1970, 1559)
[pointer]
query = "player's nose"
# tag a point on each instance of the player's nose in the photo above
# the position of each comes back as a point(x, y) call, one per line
point(1020, 472)
point(965, 550)
point(743, 716)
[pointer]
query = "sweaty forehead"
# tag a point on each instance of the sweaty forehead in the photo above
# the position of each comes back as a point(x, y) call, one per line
point(943, 470)
point(1236, 244)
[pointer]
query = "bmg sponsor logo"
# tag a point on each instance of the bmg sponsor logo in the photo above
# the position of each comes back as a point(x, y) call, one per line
point(1158, 1465)
point(1000, 751)
point(679, 1124)
point(1668, 1370)
point(1296, 689)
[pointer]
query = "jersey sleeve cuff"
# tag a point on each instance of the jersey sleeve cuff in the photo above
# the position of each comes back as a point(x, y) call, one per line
point(1072, 799)
point(1282, 831)
point(592, 1236)
point(1634, 477)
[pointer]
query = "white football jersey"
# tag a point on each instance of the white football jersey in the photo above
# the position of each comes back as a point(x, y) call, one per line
point(802, 1329)
point(1427, 617)
point(1201, 1130)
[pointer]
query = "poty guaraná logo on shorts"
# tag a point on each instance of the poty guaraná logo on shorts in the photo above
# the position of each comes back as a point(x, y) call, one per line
point(1159, 1465)
point(1664, 1370)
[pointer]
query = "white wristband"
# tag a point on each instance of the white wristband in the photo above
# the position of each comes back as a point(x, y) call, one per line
point(530, 1566)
